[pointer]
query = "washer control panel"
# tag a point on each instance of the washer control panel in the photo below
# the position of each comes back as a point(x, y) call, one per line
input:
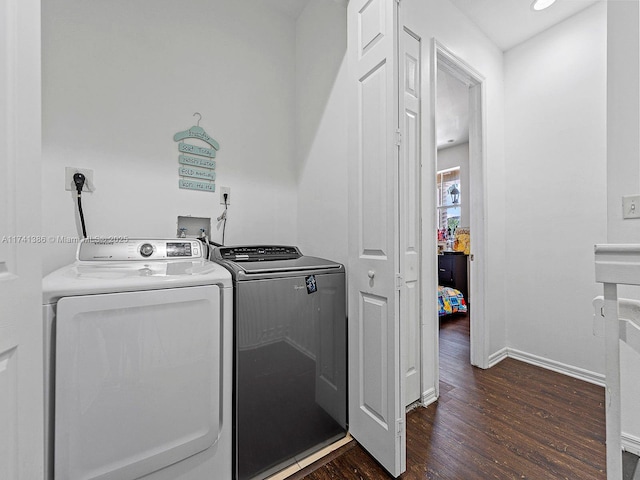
point(257, 253)
point(139, 249)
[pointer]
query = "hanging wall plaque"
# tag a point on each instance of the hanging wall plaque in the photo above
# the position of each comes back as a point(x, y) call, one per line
point(192, 149)
point(197, 173)
point(193, 185)
point(198, 163)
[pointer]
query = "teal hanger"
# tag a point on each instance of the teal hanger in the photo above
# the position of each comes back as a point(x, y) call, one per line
point(197, 132)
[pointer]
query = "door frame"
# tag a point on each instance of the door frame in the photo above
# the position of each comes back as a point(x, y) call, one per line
point(21, 341)
point(443, 57)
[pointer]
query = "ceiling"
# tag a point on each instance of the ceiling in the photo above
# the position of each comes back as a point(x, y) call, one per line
point(452, 107)
point(507, 23)
point(510, 22)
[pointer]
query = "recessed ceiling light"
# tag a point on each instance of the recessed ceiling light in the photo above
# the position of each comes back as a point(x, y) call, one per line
point(541, 4)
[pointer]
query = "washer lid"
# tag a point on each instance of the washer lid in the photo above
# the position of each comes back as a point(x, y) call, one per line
point(299, 264)
point(273, 261)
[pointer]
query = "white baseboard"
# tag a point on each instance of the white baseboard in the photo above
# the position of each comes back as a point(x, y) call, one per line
point(631, 444)
point(497, 357)
point(428, 397)
point(570, 370)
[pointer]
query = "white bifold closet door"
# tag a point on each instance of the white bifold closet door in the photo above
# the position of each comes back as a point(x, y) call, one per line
point(376, 376)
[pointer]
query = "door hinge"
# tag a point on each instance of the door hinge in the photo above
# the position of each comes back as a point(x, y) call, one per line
point(399, 281)
point(399, 427)
point(471, 257)
point(398, 137)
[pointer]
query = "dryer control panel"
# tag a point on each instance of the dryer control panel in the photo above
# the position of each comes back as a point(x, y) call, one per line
point(136, 249)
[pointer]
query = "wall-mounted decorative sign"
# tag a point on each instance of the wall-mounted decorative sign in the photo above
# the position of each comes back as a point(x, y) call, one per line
point(197, 162)
point(188, 148)
point(197, 167)
point(194, 185)
point(197, 173)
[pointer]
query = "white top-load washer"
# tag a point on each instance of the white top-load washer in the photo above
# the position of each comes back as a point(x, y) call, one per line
point(138, 362)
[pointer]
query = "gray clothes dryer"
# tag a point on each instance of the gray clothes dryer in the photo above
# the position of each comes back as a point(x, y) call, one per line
point(290, 355)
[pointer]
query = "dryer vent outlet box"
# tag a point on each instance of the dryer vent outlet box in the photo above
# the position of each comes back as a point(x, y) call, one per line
point(193, 226)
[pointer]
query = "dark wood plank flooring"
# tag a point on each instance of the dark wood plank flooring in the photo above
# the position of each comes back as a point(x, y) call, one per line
point(511, 421)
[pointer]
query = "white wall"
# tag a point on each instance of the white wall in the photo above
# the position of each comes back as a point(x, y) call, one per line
point(623, 174)
point(321, 129)
point(120, 78)
point(623, 98)
point(442, 20)
point(555, 143)
point(458, 156)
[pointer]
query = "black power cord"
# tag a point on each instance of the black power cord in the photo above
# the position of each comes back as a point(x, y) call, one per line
point(223, 218)
point(79, 180)
point(224, 226)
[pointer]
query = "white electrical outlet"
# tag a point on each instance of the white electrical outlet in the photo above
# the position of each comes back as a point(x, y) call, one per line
point(69, 172)
point(631, 206)
point(224, 190)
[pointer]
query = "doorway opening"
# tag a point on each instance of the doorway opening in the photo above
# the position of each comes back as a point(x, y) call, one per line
point(459, 186)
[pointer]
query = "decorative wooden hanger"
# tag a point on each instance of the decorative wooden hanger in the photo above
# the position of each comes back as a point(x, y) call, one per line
point(197, 132)
point(196, 173)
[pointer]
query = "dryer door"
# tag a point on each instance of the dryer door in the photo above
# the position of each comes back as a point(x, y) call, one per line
point(137, 383)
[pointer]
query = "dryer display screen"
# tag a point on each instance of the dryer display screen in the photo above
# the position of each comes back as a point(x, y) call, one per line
point(179, 249)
